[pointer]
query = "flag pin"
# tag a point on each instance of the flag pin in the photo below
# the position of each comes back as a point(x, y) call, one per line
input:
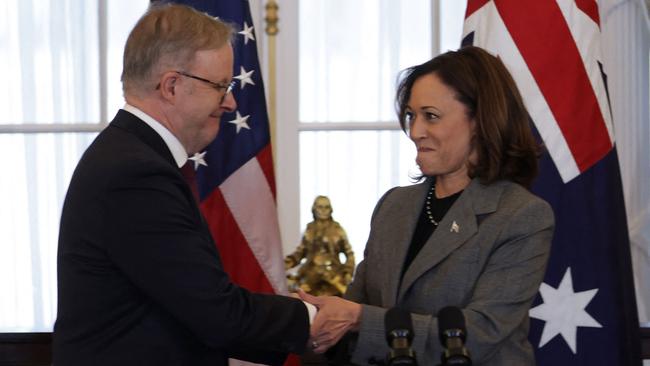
point(454, 227)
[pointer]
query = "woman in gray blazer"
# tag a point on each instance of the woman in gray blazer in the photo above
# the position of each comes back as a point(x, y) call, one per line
point(469, 235)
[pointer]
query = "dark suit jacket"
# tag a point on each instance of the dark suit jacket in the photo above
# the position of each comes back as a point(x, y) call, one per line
point(488, 257)
point(139, 278)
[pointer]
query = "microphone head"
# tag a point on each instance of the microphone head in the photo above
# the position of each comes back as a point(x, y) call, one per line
point(398, 323)
point(451, 323)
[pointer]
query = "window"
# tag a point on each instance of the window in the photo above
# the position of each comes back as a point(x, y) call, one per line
point(58, 58)
point(348, 140)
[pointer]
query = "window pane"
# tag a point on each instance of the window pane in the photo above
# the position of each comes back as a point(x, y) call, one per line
point(37, 169)
point(50, 61)
point(350, 53)
point(452, 16)
point(354, 169)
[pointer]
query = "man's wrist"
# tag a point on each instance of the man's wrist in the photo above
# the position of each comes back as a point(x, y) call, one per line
point(311, 311)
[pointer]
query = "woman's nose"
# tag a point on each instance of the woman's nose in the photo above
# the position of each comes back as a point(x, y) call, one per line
point(415, 129)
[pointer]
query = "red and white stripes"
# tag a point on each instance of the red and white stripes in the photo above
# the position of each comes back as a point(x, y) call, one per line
point(252, 203)
point(243, 221)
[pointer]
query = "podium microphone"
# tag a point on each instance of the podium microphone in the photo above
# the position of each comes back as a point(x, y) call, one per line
point(452, 332)
point(399, 334)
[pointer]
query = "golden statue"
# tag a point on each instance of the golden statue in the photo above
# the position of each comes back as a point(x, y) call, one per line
point(322, 273)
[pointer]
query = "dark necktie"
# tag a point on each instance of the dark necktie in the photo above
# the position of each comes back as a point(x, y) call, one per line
point(190, 177)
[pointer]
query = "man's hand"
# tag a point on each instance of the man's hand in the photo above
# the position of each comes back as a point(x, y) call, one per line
point(336, 316)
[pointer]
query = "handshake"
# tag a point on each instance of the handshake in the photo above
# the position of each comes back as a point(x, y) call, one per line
point(336, 316)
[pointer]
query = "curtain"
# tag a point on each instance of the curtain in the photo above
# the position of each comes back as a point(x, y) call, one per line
point(626, 47)
point(50, 100)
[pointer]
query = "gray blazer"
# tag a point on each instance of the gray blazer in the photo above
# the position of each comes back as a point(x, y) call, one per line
point(488, 257)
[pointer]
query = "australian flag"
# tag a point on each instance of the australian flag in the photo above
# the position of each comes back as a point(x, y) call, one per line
point(585, 313)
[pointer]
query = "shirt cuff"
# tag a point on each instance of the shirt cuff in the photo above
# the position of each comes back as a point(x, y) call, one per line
point(312, 310)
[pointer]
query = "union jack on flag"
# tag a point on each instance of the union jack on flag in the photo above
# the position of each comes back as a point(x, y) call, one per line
point(585, 313)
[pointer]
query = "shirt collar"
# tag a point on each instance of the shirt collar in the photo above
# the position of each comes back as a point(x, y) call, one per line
point(175, 146)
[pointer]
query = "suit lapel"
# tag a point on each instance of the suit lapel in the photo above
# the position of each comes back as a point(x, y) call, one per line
point(397, 243)
point(455, 229)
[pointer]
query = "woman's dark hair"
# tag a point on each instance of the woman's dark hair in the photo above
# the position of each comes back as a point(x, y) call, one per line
point(504, 141)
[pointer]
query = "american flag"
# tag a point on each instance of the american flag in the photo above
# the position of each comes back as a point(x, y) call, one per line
point(235, 177)
point(585, 313)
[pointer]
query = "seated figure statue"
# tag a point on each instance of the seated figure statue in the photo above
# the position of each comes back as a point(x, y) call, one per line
point(322, 272)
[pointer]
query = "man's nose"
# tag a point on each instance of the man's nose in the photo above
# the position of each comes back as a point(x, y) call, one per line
point(229, 103)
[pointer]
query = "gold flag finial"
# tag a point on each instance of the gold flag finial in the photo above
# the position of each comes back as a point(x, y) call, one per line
point(271, 17)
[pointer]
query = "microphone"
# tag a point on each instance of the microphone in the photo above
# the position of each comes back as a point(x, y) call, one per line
point(452, 332)
point(399, 334)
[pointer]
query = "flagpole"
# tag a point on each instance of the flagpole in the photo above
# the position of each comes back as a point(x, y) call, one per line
point(271, 19)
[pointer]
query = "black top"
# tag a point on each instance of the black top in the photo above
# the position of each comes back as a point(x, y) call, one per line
point(424, 228)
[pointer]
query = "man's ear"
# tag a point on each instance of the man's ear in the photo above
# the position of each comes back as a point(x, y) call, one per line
point(168, 85)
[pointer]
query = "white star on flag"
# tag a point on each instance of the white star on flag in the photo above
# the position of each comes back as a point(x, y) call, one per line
point(198, 159)
point(563, 311)
point(247, 33)
point(245, 77)
point(241, 122)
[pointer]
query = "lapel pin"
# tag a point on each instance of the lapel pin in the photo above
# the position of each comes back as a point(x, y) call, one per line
point(454, 227)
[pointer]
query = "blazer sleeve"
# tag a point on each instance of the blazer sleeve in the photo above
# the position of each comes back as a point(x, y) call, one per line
point(356, 289)
point(500, 300)
point(507, 286)
point(157, 238)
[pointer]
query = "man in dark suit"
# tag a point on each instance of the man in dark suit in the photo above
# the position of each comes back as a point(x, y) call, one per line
point(140, 281)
